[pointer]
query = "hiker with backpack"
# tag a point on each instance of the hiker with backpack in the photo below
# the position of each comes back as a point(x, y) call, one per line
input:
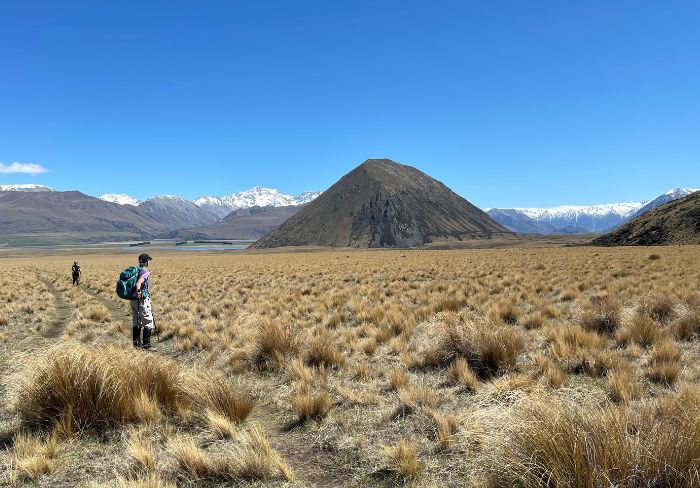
point(75, 273)
point(134, 284)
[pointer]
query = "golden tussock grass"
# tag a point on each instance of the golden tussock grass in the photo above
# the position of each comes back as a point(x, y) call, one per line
point(488, 348)
point(642, 330)
point(113, 386)
point(322, 352)
point(555, 443)
point(446, 426)
point(398, 378)
point(142, 452)
point(402, 460)
point(687, 327)
point(309, 405)
point(32, 456)
point(250, 458)
point(272, 344)
point(602, 315)
point(486, 359)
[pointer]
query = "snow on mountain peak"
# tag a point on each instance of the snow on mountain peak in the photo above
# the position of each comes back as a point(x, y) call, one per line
point(258, 196)
point(25, 187)
point(681, 192)
point(169, 197)
point(623, 210)
point(120, 199)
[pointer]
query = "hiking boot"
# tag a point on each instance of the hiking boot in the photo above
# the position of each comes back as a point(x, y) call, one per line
point(136, 336)
point(147, 339)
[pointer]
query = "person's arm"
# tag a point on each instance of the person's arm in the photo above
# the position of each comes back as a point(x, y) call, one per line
point(139, 283)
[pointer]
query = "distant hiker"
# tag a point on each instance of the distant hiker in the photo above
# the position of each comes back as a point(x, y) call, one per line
point(75, 273)
point(141, 314)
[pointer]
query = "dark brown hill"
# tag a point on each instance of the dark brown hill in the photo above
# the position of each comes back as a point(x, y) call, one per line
point(677, 222)
point(383, 204)
point(242, 224)
point(70, 211)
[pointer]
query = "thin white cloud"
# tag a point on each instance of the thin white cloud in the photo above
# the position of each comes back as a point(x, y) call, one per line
point(27, 168)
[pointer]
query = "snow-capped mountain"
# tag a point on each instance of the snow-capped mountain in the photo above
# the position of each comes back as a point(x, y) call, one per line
point(591, 218)
point(120, 199)
point(667, 197)
point(255, 197)
point(580, 218)
point(176, 212)
point(25, 187)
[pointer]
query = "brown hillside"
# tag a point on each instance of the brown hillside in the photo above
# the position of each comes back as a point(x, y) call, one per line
point(242, 224)
point(677, 222)
point(383, 204)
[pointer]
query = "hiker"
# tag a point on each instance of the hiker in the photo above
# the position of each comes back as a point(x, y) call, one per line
point(141, 314)
point(75, 272)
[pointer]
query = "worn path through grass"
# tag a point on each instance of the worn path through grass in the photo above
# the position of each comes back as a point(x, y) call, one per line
point(62, 312)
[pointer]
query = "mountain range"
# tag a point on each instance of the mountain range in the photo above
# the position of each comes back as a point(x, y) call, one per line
point(567, 219)
point(250, 214)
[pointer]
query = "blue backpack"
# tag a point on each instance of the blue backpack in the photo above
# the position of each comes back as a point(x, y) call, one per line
point(126, 285)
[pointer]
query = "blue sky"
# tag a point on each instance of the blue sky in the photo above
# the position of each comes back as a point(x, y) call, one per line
point(508, 103)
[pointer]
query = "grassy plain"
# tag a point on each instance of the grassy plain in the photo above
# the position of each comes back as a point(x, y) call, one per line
point(508, 367)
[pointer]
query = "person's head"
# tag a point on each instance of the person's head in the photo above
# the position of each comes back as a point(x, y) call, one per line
point(75, 262)
point(144, 259)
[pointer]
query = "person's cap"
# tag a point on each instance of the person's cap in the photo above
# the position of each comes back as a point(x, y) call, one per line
point(144, 258)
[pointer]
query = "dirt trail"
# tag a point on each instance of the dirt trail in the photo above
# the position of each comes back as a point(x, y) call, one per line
point(312, 465)
point(61, 314)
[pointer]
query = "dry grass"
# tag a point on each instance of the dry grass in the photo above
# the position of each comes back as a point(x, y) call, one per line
point(32, 456)
point(273, 343)
point(602, 316)
point(250, 458)
point(308, 405)
point(402, 460)
point(565, 444)
point(99, 389)
point(450, 349)
point(642, 330)
point(488, 349)
point(142, 452)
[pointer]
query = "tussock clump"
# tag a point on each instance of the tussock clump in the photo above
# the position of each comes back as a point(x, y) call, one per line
point(418, 397)
point(398, 378)
point(642, 330)
point(308, 405)
point(602, 316)
point(687, 327)
point(142, 452)
point(97, 313)
point(579, 350)
point(191, 459)
point(273, 343)
point(658, 307)
point(665, 364)
point(489, 350)
point(32, 456)
point(460, 373)
point(506, 311)
point(213, 391)
point(322, 352)
point(220, 425)
point(250, 458)
point(446, 425)
point(564, 444)
point(100, 388)
point(623, 384)
point(402, 460)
